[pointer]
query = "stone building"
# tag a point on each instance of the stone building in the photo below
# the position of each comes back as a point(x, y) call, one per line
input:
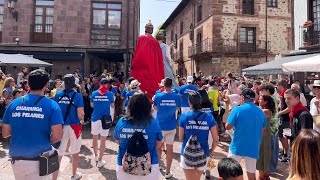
point(88, 34)
point(217, 36)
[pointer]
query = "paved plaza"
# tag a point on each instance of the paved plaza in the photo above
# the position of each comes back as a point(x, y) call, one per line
point(91, 172)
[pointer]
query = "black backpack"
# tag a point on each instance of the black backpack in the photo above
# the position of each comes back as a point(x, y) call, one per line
point(70, 104)
point(137, 159)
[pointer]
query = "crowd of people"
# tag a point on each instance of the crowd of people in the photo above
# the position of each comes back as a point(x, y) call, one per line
point(44, 117)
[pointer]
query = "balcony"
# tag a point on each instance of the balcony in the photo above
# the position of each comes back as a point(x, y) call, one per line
point(178, 57)
point(41, 34)
point(310, 36)
point(228, 46)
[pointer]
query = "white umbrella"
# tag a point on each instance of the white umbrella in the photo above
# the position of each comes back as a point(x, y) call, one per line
point(311, 64)
point(21, 60)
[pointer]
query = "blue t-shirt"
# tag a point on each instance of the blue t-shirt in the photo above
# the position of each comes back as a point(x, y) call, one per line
point(9, 91)
point(167, 104)
point(72, 117)
point(31, 125)
point(175, 90)
point(114, 90)
point(248, 121)
point(184, 90)
point(124, 130)
point(191, 127)
point(101, 104)
point(128, 96)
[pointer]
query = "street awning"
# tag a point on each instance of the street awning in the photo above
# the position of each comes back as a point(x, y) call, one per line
point(21, 60)
point(274, 67)
point(311, 64)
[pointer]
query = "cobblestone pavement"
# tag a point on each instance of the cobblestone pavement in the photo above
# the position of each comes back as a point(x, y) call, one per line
point(90, 172)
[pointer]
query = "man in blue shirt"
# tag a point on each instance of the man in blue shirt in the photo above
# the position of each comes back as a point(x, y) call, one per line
point(101, 101)
point(167, 103)
point(248, 122)
point(134, 87)
point(34, 122)
point(71, 104)
point(184, 92)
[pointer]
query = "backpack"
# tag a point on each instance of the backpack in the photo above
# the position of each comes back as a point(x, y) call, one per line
point(70, 104)
point(194, 155)
point(137, 159)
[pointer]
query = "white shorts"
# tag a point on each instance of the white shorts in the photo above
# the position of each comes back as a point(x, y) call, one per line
point(185, 109)
point(251, 163)
point(154, 175)
point(184, 166)
point(75, 144)
point(96, 129)
point(28, 170)
point(168, 136)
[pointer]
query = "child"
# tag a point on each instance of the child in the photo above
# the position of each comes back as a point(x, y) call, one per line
point(16, 93)
point(229, 169)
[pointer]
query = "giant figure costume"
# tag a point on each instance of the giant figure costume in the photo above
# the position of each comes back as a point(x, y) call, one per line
point(147, 64)
point(167, 59)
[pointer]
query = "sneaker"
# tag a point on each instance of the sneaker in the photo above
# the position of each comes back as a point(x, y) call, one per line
point(101, 163)
point(96, 158)
point(168, 176)
point(76, 177)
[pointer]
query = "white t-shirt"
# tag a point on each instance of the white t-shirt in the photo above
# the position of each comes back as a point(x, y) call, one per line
point(303, 100)
point(313, 112)
point(19, 79)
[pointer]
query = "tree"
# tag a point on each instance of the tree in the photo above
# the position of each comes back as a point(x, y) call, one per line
point(160, 30)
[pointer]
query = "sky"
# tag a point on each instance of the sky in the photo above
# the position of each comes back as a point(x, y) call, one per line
point(157, 11)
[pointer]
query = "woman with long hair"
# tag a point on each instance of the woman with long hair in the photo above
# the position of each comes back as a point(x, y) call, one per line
point(196, 123)
point(8, 88)
point(269, 108)
point(139, 119)
point(305, 163)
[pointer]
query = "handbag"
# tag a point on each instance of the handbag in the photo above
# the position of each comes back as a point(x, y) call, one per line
point(106, 121)
point(48, 163)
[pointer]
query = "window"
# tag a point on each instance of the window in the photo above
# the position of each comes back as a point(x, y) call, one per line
point(247, 39)
point(272, 3)
point(248, 7)
point(106, 24)
point(199, 13)
point(43, 21)
point(1, 18)
point(181, 27)
point(316, 14)
point(199, 42)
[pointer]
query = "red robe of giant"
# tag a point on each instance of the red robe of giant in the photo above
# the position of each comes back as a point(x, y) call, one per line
point(147, 64)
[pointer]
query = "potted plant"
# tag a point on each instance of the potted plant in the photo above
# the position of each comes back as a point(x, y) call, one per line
point(306, 38)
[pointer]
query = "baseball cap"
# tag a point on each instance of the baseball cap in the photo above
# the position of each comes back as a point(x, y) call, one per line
point(189, 79)
point(69, 81)
point(104, 81)
point(248, 93)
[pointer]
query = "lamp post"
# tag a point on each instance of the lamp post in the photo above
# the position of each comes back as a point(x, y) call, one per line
point(11, 6)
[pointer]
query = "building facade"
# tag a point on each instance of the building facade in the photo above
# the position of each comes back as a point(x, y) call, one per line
point(218, 36)
point(309, 31)
point(91, 35)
